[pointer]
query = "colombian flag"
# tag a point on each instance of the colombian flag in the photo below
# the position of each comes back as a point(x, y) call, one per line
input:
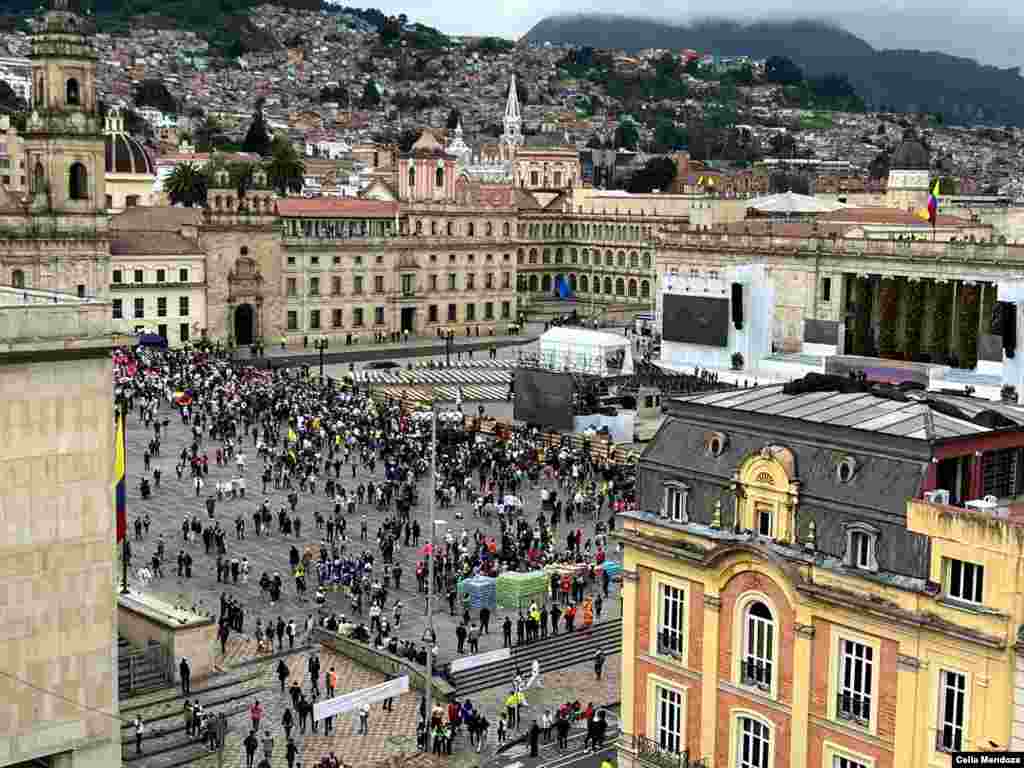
point(933, 204)
point(119, 480)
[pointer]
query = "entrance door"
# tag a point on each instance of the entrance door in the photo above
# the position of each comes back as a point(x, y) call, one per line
point(409, 320)
point(244, 325)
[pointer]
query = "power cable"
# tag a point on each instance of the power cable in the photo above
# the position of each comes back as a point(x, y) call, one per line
point(64, 698)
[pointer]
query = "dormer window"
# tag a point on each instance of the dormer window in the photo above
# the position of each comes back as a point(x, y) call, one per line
point(846, 468)
point(861, 541)
point(675, 502)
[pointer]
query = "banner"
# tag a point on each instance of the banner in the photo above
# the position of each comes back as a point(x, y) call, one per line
point(349, 701)
point(472, 662)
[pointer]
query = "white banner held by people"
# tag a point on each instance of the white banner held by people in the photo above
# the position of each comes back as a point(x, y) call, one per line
point(472, 662)
point(339, 705)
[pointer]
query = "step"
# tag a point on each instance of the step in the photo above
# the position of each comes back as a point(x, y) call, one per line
point(128, 754)
point(206, 702)
point(170, 730)
point(196, 692)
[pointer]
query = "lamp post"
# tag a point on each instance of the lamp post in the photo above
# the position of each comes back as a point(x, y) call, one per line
point(126, 549)
point(320, 345)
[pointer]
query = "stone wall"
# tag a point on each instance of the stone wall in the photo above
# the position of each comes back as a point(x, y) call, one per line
point(196, 640)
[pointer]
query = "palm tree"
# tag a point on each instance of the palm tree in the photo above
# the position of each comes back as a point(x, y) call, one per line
point(186, 185)
point(285, 168)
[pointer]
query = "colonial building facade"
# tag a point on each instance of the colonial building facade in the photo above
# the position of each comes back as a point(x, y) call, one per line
point(807, 588)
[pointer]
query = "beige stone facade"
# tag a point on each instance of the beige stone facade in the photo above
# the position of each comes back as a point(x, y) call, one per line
point(57, 563)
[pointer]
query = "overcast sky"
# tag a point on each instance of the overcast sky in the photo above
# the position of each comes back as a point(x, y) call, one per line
point(989, 31)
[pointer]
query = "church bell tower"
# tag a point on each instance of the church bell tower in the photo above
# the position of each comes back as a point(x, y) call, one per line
point(63, 139)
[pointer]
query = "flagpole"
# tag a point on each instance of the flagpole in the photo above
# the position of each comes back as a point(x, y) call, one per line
point(126, 552)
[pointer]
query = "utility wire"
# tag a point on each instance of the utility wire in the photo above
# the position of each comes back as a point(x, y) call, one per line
point(64, 698)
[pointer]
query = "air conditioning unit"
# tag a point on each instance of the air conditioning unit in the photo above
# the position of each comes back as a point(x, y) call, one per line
point(938, 496)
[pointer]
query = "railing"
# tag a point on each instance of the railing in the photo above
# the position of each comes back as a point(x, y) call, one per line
point(154, 657)
point(853, 706)
point(755, 673)
point(651, 751)
point(670, 644)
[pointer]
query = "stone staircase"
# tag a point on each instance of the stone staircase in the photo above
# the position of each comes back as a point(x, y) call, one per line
point(139, 671)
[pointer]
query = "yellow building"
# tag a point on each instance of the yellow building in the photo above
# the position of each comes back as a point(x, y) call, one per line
point(811, 590)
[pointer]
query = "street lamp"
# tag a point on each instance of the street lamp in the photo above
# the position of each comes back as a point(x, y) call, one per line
point(320, 345)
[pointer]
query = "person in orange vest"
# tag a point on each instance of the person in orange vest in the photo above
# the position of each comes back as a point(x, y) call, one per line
point(588, 613)
point(332, 682)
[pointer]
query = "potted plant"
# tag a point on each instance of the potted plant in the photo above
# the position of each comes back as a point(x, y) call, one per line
point(737, 361)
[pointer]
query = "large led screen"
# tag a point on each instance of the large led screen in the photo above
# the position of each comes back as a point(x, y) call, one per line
point(544, 398)
point(700, 320)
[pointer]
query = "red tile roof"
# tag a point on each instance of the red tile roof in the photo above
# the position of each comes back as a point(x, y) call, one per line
point(337, 207)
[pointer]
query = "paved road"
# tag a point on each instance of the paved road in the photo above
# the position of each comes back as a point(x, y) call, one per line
point(550, 757)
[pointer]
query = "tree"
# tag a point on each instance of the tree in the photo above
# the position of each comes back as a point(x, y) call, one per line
point(153, 93)
point(371, 95)
point(782, 70)
point(879, 167)
point(782, 145)
point(286, 168)
point(257, 139)
point(207, 133)
point(186, 185)
point(627, 135)
point(667, 136)
point(454, 118)
point(9, 100)
point(656, 175)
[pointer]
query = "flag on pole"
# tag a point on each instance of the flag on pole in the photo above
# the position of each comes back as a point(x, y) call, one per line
point(119, 481)
point(933, 204)
point(292, 437)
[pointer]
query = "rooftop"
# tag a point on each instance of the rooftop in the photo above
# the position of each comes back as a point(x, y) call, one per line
point(870, 407)
point(337, 207)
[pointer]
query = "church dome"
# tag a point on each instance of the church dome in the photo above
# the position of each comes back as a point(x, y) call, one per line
point(124, 153)
point(910, 154)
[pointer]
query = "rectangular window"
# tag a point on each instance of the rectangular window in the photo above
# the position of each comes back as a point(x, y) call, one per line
point(161, 331)
point(138, 276)
point(293, 320)
point(433, 283)
point(826, 289)
point(506, 309)
point(506, 280)
point(489, 310)
point(451, 281)
point(378, 284)
point(470, 312)
point(838, 761)
point(292, 288)
point(140, 308)
point(161, 276)
point(161, 306)
point(669, 719)
point(183, 332)
point(357, 284)
point(183, 306)
point(291, 261)
point(314, 286)
point(80, 288)
point(964, 581)
point(470, 281)
point(314, 319)
point(117, 276)
point(760, 651)
point(335, 285)
point(856, 665)
point(336, 318)
point(860, 545)
point(378, 315)
point(675, 503)
point(357, 316)
point(671, 610)
point(118, 309)
point(754, 744)
point(453, 313)
point(763, 520)
point(408, 285)
point(999, 471)
point(952, 715)
point(533, 178)
point(489, 281)
point(314, 261)
point(432, 313)
point(558, 178)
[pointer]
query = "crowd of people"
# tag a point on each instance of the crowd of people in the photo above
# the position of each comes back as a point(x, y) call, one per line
point(310, 440)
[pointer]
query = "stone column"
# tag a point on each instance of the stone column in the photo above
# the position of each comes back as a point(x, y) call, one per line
point(908, 743)
point(628, 596)
point(709, 678)
point(802, 681)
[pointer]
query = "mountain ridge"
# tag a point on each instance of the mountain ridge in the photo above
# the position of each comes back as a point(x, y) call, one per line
point(959, 88)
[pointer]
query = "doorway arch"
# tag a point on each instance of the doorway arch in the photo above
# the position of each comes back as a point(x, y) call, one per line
point(245, 318)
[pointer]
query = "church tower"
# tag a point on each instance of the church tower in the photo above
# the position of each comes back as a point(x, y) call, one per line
point(63, 141)
point(512, 138)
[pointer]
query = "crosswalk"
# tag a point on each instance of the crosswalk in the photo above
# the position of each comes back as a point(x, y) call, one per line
point(470, 392)
point(483, 375)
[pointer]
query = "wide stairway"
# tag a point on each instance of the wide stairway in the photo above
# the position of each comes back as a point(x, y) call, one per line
point(138, 671)
point(554, 653)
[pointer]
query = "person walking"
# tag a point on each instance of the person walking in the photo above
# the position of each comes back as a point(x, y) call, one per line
point(256, 714)
point(140, 730)
point(287, 721)
point(598, 663)
point(250, 743)
point(534, 739)
point(268, 746)
point(185, 673)
point(364, 720)
point(290, 753)
point(282, 673)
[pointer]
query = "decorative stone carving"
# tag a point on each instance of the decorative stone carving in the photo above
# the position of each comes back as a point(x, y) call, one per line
point(712, 602)
point(804, 630)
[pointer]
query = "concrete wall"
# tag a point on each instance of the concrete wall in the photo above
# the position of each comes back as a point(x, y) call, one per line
point(58, 624)
point(382, 661)
point(195, 641)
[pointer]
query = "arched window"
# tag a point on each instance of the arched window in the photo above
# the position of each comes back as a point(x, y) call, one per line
point(470, 229)
point(533, 283)
point(584, 284)
point(519, 256)
point(547, 256)
point(450, 229)
point(489, 229)
point(433, 228)
point(72, 94)
point(620, 287)
point(622, 258)
point(634, 260)
point(558, 255)
point(439, 177)
point(533, 255)
point(754, 744)
point(574, 257)
point(572, 282)
point(758, 656)
point(597, 285)
point(78, 182)
point(647, 261)
point(645, 289)
point(38, 178)
point(632, 289)
point(18, 278)
point(608, 286)
point(609, 260)
point(505, 229)
point(545, 284)
point(412, 177)
point(586, 258)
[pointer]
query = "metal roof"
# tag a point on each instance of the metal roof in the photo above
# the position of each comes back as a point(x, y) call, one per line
point(863, 410)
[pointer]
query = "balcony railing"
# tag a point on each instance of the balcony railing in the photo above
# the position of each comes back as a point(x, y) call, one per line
point(652, 752)
point(854, 707)
point(670, 643)
point(756, 673)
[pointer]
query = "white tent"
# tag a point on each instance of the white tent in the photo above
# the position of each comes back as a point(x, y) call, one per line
point(790, 203)
point(581, 351)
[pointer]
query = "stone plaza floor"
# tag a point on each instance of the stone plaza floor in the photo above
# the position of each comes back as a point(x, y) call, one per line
point(176, 498)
